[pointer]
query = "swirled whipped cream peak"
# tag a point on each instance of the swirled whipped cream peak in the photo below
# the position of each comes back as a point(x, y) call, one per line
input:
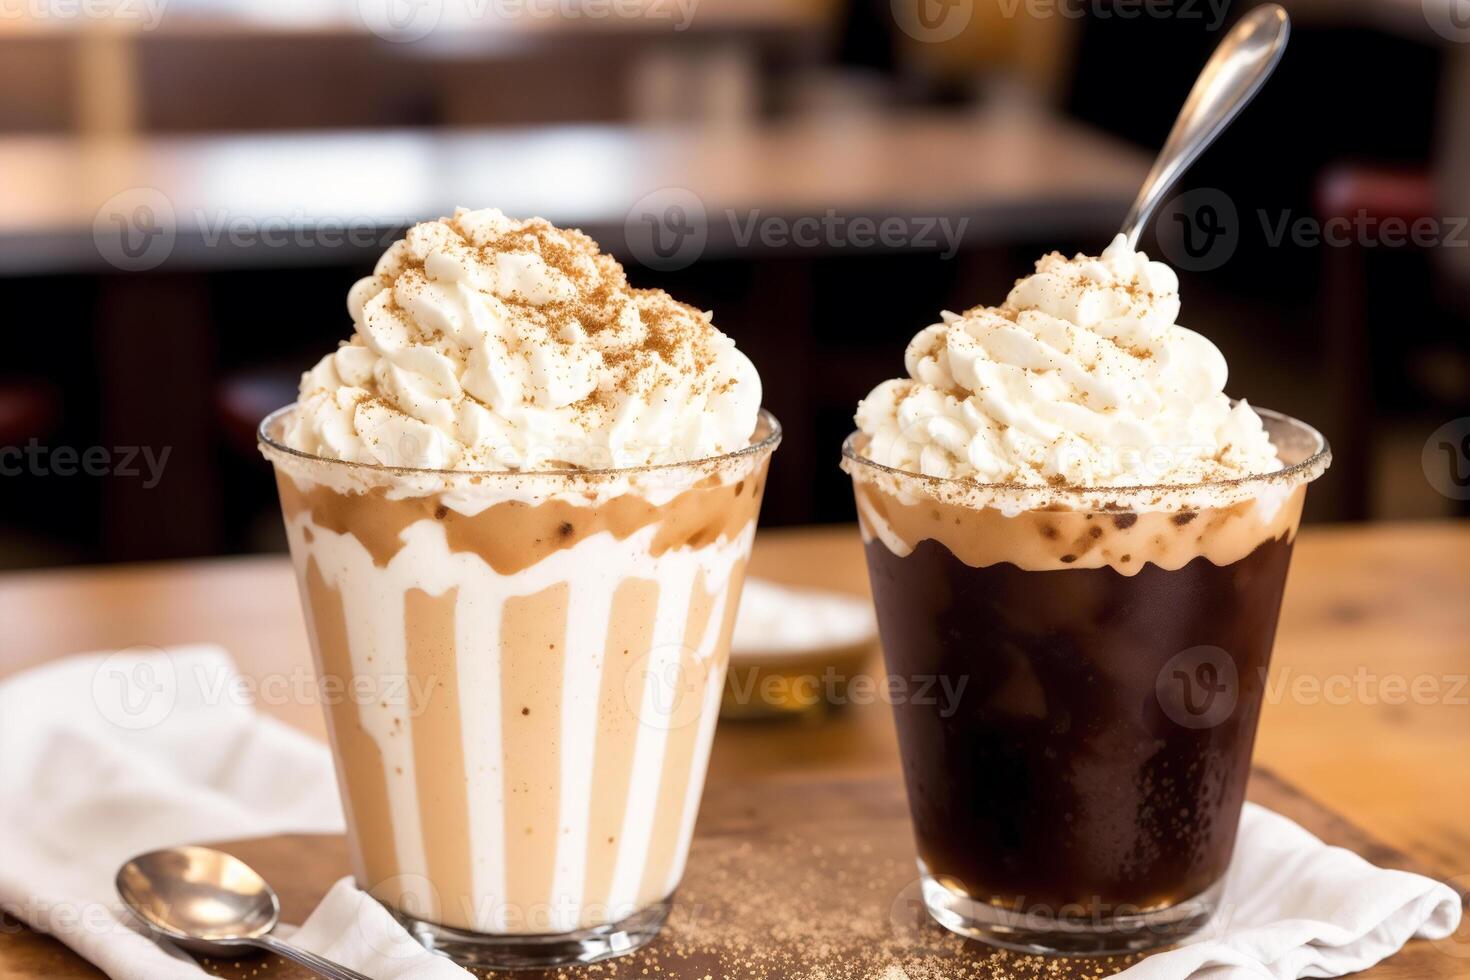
point(1082, 377)
point(488, 343)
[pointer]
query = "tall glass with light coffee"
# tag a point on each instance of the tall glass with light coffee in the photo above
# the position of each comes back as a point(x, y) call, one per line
point(520, 500)
point(1067, 521)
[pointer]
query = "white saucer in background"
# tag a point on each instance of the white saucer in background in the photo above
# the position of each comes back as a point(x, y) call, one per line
point(794, 650)
point(775, 619)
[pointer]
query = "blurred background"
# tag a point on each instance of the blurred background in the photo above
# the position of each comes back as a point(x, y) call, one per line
point(189, 187)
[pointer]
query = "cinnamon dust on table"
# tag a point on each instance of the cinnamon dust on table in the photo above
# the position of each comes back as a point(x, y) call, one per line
point(803, 906)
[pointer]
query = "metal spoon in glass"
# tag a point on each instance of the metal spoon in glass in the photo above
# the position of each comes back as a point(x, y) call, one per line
point(1231, 78)
point(213, 904)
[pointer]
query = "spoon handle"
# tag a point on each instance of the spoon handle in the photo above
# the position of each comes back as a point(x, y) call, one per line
point(323, 967)
point(1231, 78)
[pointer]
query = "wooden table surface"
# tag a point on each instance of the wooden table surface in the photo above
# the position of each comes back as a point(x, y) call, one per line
point(1368, 710)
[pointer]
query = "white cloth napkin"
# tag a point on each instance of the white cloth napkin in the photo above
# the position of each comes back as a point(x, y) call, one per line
point(1295, 907)
point(106, 756)
point(350, 927)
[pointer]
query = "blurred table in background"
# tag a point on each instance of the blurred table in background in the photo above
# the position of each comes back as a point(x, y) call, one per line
point(239, 201)
point(364, 64)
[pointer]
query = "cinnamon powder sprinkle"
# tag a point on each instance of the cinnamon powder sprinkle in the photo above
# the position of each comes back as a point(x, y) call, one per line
point(644, 336)
point(834, 900)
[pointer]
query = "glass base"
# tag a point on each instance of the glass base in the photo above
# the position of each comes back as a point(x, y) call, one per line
point(1044, 931)
point(529, 952)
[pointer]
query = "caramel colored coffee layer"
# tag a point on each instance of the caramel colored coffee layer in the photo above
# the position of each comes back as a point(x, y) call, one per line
point(361, 770)
point(532, 645)
point(673, 788)
point(635, 605)
point(1053, 539)
point(679, 760)
point(513, 535)
point(438, 749)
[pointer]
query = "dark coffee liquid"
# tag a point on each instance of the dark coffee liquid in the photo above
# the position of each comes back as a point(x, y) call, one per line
point(1097, 754)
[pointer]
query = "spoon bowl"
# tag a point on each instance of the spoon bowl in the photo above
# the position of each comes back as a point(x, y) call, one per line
point(206, 901)
point(211, 904)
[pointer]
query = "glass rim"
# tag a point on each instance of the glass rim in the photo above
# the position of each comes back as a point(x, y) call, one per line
point(1317, 458)
point(765, 443)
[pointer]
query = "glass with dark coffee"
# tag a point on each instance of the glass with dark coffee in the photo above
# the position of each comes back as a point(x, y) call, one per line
point(1109, 634)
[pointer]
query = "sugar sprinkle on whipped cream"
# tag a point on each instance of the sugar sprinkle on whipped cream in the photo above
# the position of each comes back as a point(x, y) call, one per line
point(488, 343)
point(1082, 377)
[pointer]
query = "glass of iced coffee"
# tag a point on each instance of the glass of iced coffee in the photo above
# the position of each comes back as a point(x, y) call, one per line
point(519, 501)
point(1069, 524)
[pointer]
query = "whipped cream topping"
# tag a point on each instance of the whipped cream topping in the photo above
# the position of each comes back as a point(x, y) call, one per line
point(1081, 378)
point(488, 343)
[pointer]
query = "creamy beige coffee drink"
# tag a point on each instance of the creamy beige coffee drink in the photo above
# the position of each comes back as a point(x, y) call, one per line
point(520, 500)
